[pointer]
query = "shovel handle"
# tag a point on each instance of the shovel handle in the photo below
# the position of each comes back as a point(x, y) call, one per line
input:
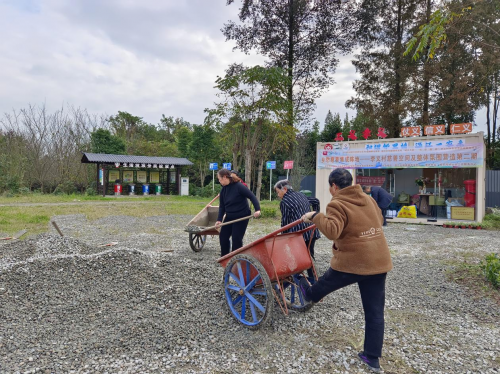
point(226, 223)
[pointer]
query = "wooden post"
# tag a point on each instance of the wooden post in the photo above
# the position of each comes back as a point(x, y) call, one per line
point(57, 228)
point(97, 185)
point(104, 184)
point(168, 182)
point(178, 179)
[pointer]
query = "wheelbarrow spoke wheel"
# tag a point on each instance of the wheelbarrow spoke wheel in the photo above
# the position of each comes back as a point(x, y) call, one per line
point(248, 291)
point(294, 297)
point(197, 242)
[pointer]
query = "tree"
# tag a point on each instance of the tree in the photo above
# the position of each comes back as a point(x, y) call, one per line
point(255, 106)
point(473, 27)
point(333, 125)
point(203, 149)
point(183, 139)
point(171, 126)
point(13, 163)
point(101, 141)
point(125, 125)
point(301, 36)
point(384, 71)
point(44, 149)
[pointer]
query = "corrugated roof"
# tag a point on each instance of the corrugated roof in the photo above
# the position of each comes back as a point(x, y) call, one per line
point(89, 158)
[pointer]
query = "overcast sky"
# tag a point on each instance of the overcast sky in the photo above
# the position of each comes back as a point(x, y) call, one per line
point(145, 57)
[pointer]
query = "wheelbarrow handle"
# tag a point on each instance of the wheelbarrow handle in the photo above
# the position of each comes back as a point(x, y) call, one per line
point(226, 223)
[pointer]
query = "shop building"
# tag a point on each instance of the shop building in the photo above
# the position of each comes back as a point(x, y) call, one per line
point(449, 168)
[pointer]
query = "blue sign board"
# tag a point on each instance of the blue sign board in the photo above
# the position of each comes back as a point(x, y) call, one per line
point(227, 165)
point(213, 166)
point(270, 165)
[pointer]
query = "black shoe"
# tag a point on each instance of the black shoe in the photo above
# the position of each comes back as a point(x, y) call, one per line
point(304, 287)
point(372, 363)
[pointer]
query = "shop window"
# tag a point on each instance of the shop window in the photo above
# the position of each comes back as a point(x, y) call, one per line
point(451, 179)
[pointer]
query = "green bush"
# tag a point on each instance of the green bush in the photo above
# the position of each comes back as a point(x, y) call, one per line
point(207, 191)
point(491, 221)
point(90, 191)
point(9, 184)
point(491, 269)
point(24, 191)
point(268, 212)
point(66, 187)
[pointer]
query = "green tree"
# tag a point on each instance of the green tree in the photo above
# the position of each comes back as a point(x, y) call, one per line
point(171, 126)
point(101, 141)
point(183, 139)
point(381, 90)
point(125, 125)
point(254, 104)
point(301, 36)
point(469, 28)
point(333, 125)
point(203, 149)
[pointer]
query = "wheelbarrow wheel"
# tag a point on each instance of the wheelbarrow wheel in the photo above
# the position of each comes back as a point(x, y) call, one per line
point(248, 291)
point(294, 297)
point(197, 242)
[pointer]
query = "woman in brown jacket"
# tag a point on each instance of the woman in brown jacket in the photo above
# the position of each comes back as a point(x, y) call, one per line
point(360, 255)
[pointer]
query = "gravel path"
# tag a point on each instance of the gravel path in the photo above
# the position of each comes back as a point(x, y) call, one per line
point(151, 305)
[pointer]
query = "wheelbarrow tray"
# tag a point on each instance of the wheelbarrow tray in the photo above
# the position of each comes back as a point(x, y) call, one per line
point(281, 255)
point(206, 218)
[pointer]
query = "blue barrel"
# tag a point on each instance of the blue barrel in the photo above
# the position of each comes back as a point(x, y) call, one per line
point(145, 189)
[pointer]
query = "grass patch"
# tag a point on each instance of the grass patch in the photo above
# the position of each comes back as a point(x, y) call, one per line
point(35, 213)
point(491, 222)
point(469, 273)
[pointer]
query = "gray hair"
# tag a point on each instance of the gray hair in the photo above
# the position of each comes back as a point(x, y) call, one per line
point(283, 183)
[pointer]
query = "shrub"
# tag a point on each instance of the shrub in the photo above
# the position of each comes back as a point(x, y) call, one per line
point(491, 269)
point(491, 221)
point(90, 191)
point(207, 191)
point(24, 191)
point(268, 212)
point(66, 187)
point(9, 184)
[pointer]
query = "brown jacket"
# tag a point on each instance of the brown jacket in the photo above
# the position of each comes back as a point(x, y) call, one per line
point(353, 220)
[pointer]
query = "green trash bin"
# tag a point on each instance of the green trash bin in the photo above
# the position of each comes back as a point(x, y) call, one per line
point(158, 189)
point(306, 192)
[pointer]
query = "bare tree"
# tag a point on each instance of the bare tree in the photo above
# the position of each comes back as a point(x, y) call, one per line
point(52, 144)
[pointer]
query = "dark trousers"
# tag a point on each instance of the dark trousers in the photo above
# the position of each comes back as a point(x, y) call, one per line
point(310, 273)
point(384, 213)
point(235, 231)
point(372, 290)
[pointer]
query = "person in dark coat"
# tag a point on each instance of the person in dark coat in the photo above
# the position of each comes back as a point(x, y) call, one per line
point(381, 196)
point(234, 204)
point(293, 206)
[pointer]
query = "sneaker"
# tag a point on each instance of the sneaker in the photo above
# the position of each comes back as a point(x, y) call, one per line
point(304, 286)
point(372, 363)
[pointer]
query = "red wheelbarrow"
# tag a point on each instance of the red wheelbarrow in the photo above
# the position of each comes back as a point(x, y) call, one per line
point(266, 270)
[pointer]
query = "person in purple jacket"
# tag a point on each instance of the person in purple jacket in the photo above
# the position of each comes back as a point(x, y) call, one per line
point(233, 203)
point(381, 196)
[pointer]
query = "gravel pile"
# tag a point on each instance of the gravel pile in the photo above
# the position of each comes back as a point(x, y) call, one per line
point(149, 304)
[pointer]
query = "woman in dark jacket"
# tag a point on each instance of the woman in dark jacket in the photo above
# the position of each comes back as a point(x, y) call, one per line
point(233, 203)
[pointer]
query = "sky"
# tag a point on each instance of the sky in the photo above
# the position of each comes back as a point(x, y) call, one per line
point(145, 57)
